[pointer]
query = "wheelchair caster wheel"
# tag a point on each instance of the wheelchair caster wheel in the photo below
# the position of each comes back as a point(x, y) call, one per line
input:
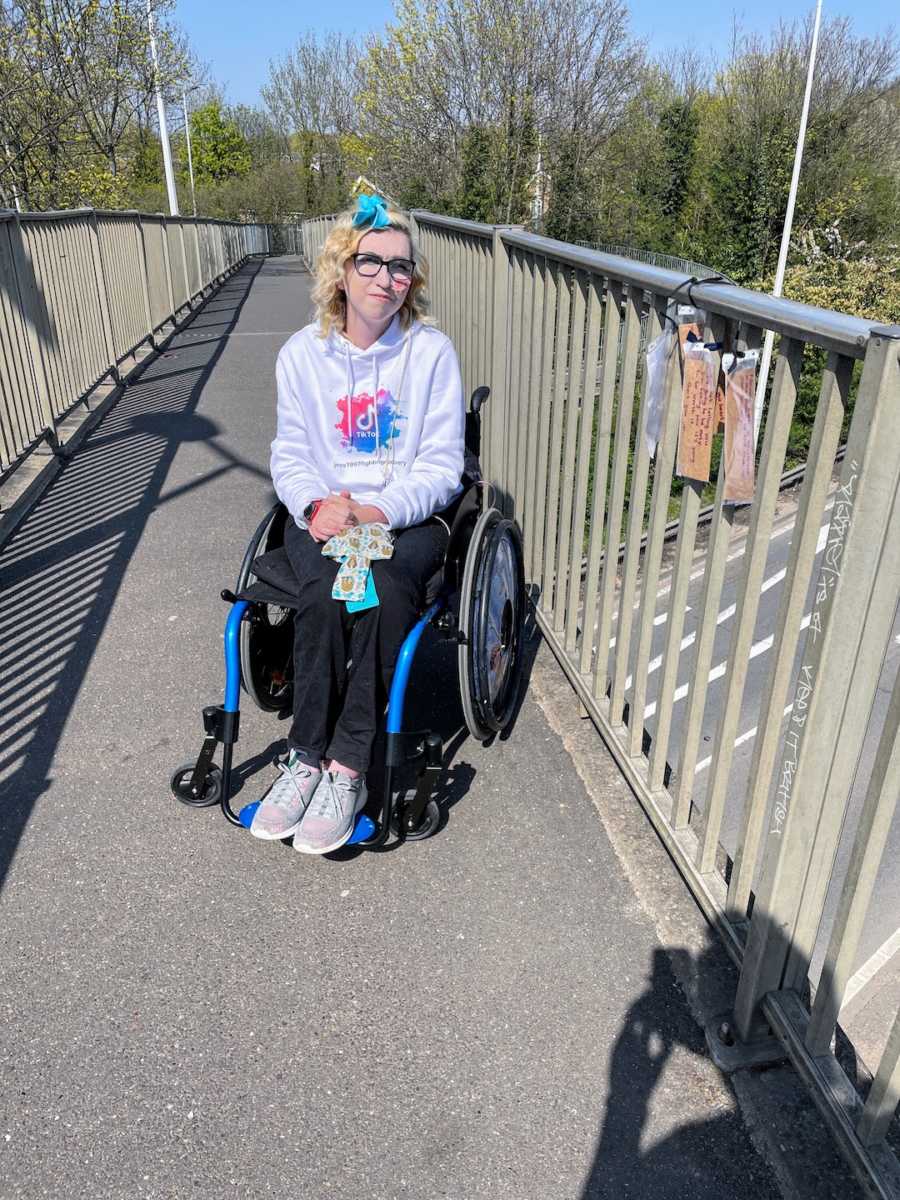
point(431, 818)
point(212, 787)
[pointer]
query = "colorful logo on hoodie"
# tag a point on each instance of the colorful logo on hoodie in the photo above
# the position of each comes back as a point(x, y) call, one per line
point(368, 424)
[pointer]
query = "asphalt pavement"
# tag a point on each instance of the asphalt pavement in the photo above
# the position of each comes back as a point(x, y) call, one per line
point(189, 1012)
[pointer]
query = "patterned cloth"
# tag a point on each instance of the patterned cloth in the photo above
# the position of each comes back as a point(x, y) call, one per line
point(356, 548)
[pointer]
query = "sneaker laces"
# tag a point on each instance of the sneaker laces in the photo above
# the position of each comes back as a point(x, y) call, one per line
point(281, 794)
point(328, 801)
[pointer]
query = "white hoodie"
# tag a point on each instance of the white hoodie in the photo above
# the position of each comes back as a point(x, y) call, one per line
point(385, 424)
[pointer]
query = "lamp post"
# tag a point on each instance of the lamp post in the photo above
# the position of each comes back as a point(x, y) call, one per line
point(161, 111)
point(788, 223)
point(187, 134)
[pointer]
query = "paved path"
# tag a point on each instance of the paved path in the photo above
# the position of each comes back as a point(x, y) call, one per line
point(189, 1012)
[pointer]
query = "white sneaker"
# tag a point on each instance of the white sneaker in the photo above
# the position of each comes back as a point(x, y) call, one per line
point(332, 813)
point(283, 806)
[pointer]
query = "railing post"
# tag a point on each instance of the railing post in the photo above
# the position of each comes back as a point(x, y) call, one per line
point(145, 274)
point(187, 277)
point(103, 296)
point(499, 423)
point(839, 671)
point(36, 317)
point(164, 228)
point(200, 282)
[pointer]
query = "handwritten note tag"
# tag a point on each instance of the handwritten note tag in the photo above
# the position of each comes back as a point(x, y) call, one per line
point(738, 458)
point(698, 412)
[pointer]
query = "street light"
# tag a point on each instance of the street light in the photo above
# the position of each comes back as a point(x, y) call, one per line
point(161, 111)
point(788, 223)
point(187, 134)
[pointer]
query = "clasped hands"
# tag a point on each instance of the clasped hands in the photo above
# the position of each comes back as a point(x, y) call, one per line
point(338, 512)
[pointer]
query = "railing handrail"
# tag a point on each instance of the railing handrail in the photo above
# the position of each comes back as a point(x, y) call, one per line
point(61, 214)
point(830, 330)
point(476, 228)
point(88, 287)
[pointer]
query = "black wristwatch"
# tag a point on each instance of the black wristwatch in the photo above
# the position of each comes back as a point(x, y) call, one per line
point(310, 511)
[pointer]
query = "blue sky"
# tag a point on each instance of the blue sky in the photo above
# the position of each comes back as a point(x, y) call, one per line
point(238, 39)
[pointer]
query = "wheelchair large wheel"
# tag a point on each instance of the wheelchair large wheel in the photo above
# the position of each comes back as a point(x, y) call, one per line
point(491, 619)
point(267, 634)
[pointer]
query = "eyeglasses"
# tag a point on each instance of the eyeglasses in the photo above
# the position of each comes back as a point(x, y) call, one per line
point(399, 269)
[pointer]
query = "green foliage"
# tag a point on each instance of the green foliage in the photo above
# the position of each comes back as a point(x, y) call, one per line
point(76, 84)
point(220, 150)
point(477, 198)
point(571, 216)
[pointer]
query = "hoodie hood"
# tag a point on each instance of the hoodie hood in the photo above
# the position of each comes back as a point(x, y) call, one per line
point(391, 342)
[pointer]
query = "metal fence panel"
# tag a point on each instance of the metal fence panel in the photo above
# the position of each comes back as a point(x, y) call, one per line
point(21, 420)
point(79, 291)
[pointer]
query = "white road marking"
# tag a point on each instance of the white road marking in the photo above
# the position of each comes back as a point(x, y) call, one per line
point(724, 615)
point(660, 620)
point(738, 741)
point(719, 669)
point(870, 968)
point(776, 533)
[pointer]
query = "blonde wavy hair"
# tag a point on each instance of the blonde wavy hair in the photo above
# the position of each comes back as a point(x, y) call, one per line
point(341, 243)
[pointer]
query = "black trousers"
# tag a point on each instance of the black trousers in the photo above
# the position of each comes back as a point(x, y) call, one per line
point(336, 707)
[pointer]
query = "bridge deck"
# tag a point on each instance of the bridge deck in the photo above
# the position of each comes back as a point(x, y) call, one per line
point(188, 1011)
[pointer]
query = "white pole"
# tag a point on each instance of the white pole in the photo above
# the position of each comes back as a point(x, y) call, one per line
point(16, 200)
point(788, 223)
point(187, 134)
point(161, 110)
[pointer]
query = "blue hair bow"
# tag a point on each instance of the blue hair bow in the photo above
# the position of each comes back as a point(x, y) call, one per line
point(371, 209)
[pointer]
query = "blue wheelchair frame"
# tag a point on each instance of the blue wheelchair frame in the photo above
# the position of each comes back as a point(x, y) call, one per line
point(222, 723)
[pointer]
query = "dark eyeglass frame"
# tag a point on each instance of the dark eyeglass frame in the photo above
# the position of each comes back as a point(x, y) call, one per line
point(405, 267)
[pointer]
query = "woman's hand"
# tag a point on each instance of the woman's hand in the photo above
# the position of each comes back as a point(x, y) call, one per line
point(368, 514)
point(333, 516)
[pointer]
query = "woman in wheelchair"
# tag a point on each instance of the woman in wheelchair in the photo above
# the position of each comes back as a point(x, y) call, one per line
point(369, 449)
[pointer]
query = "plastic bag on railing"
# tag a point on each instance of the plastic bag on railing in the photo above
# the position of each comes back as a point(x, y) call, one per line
point(740, 441)
point(659, 356)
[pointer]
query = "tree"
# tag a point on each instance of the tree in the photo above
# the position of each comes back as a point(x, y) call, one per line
point(311, 95)
point(75, 78)
point(219, 149)
point(477, 200)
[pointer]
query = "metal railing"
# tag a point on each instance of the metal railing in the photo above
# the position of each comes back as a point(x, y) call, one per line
point(81, 290)
point(555, 330)
point(672, 262)
point(315, 231)
point(286, 237)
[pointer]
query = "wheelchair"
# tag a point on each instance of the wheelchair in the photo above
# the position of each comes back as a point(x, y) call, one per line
point(476, 600)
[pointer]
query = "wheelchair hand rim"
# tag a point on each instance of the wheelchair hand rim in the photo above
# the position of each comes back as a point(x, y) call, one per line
point(266, 636)
point(492, 602)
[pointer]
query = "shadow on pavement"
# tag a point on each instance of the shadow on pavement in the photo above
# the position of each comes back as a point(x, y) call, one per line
point(62, 570)
point(697, 1159)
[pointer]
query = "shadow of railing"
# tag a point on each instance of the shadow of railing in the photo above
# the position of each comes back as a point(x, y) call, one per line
point(63, 569)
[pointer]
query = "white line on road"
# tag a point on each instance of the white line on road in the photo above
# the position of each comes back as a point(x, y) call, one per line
point(719, 669)
point(738, 741)
point(870, 968)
